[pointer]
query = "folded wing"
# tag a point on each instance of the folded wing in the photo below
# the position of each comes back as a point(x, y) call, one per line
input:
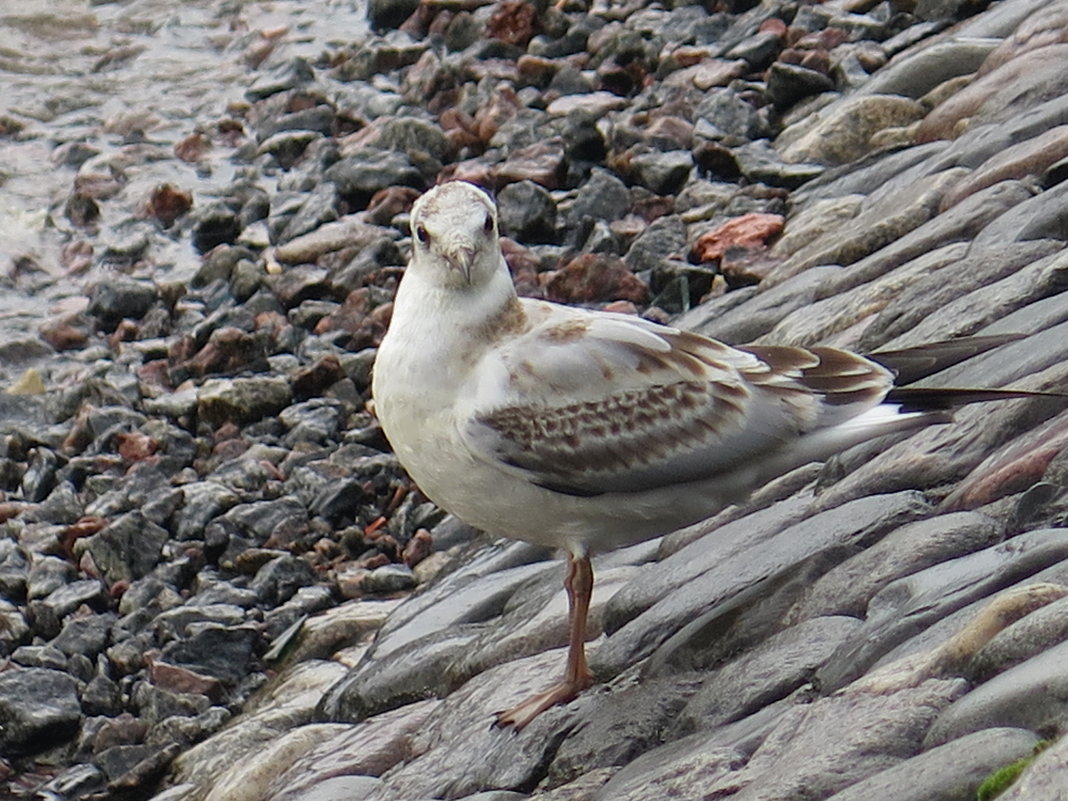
point(586, 405)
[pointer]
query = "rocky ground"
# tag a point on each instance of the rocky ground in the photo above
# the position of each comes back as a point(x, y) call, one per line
point(216, 581)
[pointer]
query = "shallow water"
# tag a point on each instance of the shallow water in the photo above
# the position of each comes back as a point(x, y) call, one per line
point(129, 80)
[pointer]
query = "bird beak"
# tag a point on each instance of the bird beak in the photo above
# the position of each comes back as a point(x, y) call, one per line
point(462, 259)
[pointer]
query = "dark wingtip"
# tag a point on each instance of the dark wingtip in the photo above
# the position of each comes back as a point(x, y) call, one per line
point(923, 399)
point(912, 364)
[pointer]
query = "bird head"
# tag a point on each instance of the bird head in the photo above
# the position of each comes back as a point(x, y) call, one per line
point(454, 236)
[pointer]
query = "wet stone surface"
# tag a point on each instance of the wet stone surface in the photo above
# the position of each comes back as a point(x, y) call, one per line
point(216, 582)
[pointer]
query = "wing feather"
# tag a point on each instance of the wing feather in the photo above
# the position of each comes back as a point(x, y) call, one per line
point(841, 378)
point(609, 403)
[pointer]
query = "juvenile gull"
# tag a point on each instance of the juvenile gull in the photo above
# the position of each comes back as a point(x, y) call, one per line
point(587, 430)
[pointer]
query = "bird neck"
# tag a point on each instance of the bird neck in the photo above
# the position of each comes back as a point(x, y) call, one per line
point(457, 311)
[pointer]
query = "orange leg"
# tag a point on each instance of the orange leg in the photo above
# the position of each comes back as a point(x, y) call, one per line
point(579, 586)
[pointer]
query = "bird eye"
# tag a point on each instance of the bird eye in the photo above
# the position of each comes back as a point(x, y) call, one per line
point(487, 226)
point(423, 234)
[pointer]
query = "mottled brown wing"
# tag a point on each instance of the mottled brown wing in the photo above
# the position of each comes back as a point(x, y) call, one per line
point(627, 441)
point(623, 405)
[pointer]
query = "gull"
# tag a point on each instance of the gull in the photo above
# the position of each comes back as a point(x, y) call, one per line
point(587, 430)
